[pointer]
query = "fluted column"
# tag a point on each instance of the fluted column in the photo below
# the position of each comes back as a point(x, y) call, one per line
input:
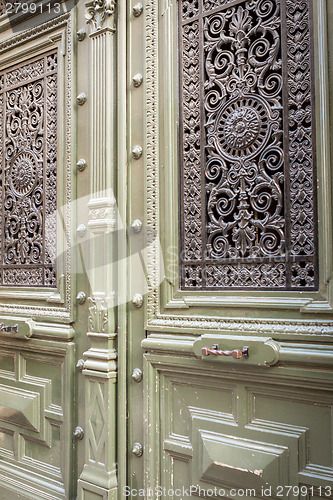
point(99, 476)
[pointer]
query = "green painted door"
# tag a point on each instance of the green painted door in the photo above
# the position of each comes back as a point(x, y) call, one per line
point(233, 329)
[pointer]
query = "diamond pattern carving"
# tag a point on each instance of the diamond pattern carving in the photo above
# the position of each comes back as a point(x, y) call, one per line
point(96, 422)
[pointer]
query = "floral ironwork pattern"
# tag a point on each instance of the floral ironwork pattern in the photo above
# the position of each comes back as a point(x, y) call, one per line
point(28, 154)
point(248, 173)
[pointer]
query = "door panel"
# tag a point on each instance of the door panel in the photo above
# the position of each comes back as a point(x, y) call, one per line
point(237, 429)
point(218, 420)
point(38, 280)
point(36, 418)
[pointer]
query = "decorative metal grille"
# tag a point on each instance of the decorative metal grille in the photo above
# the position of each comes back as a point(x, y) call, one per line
point(247, 148)
point(28, 159)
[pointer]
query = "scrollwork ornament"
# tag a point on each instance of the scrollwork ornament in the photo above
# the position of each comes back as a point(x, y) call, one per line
point(29, 177)
point(239, 166)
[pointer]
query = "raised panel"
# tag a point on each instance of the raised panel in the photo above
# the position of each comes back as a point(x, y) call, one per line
point(311, 410)
point(254, 464)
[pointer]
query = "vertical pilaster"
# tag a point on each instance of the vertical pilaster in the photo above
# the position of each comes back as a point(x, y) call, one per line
point(99, 476)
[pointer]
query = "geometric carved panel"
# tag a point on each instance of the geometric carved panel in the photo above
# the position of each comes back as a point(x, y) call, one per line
point(227, 460)
point(97, 421)
point(28, 158)
point(247, 145)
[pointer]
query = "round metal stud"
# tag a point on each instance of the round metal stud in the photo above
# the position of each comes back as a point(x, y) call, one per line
point(81, 99)
point(137, 152)
point(137, 80)
point(137, 300)
point(136, 226)
point(81, 298)
point(80, 365)
point(137, 9)
point(137, 449)
point(78, 433)
point(81, 230)
point(81, 165)
point(81, 34)
point(137, 375)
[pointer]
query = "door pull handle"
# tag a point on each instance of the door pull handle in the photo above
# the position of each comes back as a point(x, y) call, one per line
point(7, 329)
point(235, 353)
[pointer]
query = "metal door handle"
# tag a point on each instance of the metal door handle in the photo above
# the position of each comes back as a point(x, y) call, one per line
point(7, 329)
point(235, 353)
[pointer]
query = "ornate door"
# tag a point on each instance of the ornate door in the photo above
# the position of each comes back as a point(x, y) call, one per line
point(237, 359)
point(53, 209)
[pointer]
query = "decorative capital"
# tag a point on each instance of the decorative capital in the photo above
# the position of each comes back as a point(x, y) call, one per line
point(99, 14)
point(99, 313)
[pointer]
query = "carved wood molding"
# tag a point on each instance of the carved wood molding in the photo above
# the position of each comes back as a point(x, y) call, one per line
point(99, 475)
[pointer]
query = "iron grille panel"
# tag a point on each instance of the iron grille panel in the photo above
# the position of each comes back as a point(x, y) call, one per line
point(247, 145)
point(28, 187)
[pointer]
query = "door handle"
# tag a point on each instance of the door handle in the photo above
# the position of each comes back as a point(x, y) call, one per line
point(222, 348)
point(235, 353)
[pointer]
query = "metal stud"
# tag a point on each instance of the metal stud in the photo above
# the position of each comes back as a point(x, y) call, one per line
point(80, 365)
point(81, 230)
point(78, 433)
point(81, 165)
point(81, 34)
point(137, 80)
point(137, 152)
point(81, 298)
point(137, 9)
point(137, 300)
point(81, 99)
point(137, 449)
point(136, 226)
point(137, 375)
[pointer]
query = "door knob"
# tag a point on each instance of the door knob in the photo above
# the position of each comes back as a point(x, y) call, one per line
point(235, 353)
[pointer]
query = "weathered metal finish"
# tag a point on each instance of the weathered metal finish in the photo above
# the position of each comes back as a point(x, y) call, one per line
point(137, 80)
point(137, 152)
point(137, 9)
point(81, 99)
point(78, 433)
point(81, 165)
point(137, 449)
point(249, 218)
point(137, 375)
